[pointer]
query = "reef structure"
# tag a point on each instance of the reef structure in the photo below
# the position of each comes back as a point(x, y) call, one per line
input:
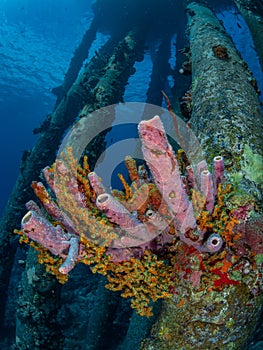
point(158, 153)
point(171, 232)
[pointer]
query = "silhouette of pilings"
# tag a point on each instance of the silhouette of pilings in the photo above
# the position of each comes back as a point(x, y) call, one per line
point(79, 56)
point(252, 12)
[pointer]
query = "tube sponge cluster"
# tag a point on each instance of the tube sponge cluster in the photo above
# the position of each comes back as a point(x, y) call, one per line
point(168, 229)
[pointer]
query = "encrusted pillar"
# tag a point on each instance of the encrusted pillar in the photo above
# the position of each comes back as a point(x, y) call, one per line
point(227, 120)
point(32, 325)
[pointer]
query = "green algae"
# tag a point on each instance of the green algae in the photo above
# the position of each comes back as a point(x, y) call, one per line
point(252, 165)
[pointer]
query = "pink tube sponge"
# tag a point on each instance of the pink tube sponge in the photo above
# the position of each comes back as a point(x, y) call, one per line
point(163, 165)
point(40, 230)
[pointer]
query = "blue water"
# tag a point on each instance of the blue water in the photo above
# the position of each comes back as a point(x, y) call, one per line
point(37, 40)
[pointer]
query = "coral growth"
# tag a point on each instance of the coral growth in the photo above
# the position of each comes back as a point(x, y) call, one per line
point(168, 231)
point(220, 52)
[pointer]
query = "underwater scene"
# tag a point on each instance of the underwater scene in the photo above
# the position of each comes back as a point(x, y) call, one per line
point(131, 189)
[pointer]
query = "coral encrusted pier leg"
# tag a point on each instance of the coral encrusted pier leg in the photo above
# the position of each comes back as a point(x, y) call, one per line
point(228, 121)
